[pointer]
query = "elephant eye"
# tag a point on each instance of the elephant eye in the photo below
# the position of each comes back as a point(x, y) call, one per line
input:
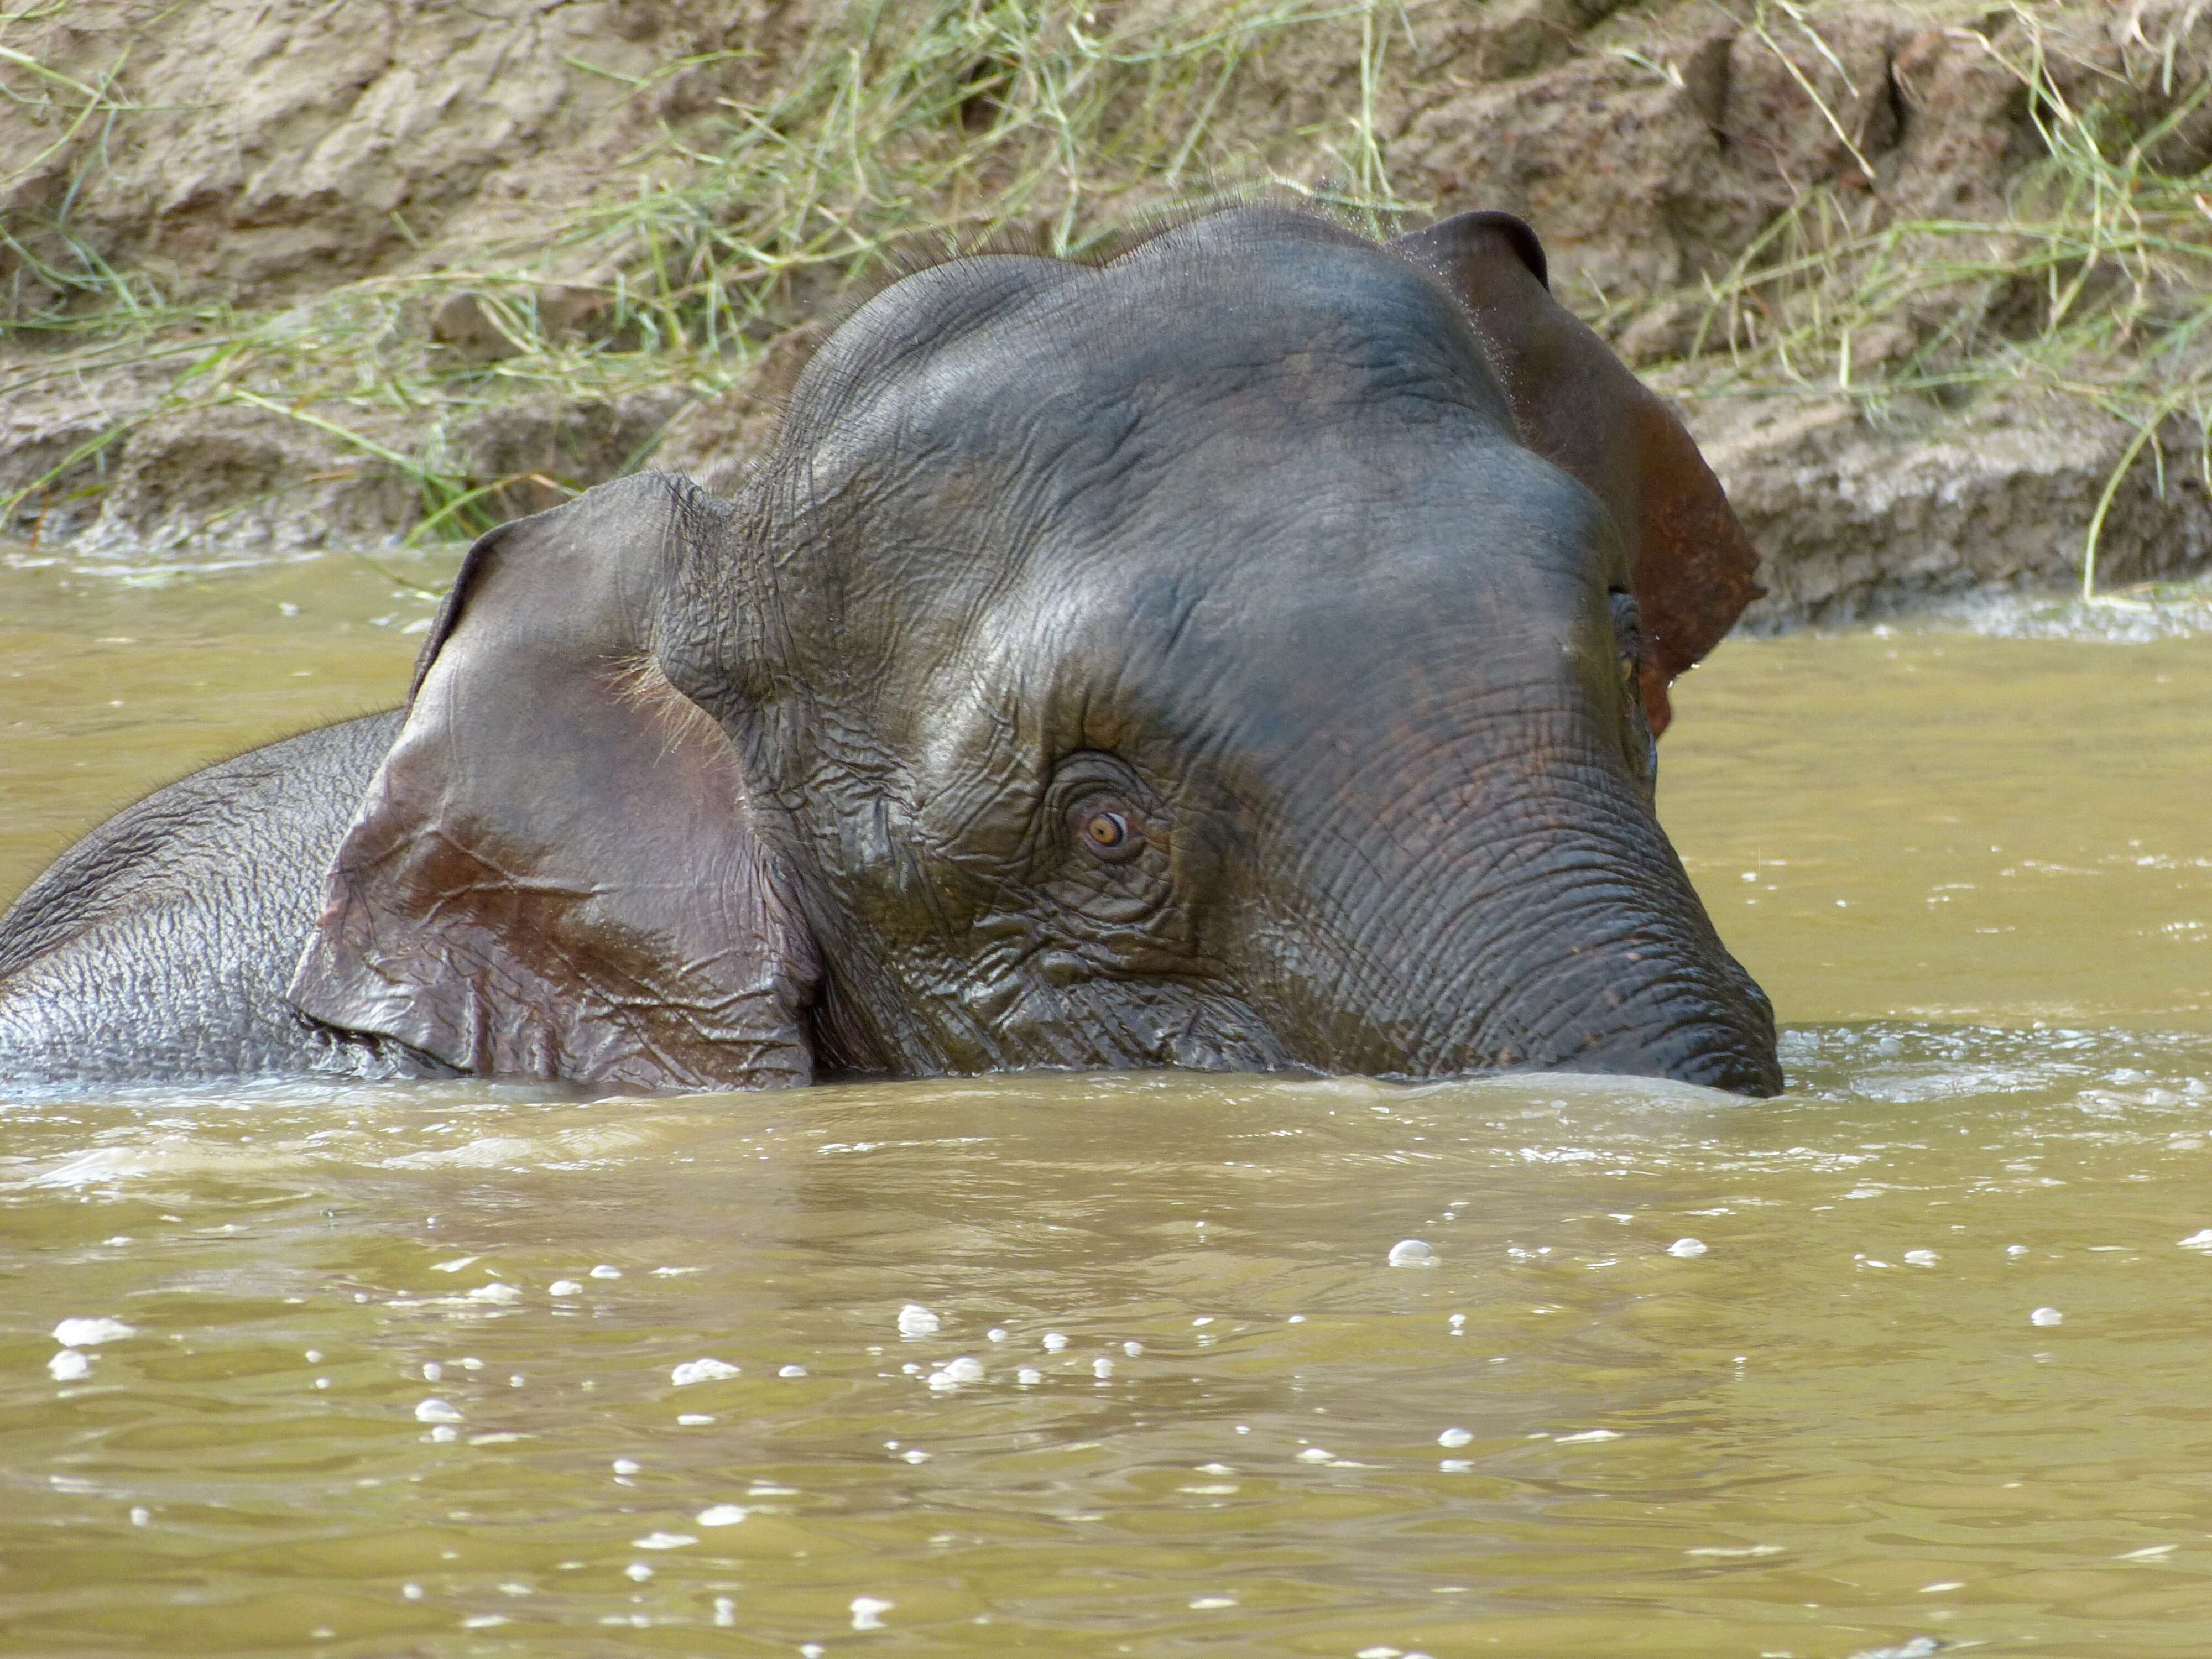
point(1108, 829)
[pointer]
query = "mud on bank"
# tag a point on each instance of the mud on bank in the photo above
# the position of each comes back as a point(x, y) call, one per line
point(1930, 281)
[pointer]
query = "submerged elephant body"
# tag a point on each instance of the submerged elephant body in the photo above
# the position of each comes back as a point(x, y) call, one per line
point(1243, 655)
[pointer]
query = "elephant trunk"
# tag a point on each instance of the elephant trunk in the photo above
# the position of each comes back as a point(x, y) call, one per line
point(1525, 912)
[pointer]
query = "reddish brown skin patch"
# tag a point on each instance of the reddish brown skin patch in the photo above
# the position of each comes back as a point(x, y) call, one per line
point(1580, 407)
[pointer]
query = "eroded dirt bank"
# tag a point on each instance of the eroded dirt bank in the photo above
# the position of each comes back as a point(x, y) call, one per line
point(279, 273)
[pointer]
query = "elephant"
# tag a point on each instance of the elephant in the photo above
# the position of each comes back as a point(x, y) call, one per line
point(1243, 652)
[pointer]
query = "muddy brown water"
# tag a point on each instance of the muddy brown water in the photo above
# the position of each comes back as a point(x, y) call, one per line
point(1105, 1365)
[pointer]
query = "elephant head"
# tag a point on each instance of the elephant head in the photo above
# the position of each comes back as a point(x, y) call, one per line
point(1236, 655)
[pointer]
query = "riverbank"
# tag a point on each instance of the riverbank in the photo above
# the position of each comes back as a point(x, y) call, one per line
point(1930, 283)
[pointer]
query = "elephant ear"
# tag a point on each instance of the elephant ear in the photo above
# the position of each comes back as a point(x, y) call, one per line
point(1580, 408)
point(552, 874)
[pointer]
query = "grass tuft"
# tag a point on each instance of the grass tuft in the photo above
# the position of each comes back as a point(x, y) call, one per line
point(2095, 282)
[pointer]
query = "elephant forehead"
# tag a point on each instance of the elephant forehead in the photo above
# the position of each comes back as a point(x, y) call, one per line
point(1480, 551)
point(1255, 633)
point(1268, 326)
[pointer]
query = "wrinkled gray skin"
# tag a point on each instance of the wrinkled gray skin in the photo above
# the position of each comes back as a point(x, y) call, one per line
point(159, 946)
point(1180, 662)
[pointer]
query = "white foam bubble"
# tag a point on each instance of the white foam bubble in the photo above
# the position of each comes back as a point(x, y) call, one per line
point(1102, 1369)
point(565, 1287)
point(1587, 1435)
point(1133, 1349)
point(703, 1370)
point(868, 1612)
point(721, 1515)
point(603, 1270)
point(1453, 1438)
point(1316, 1454)
point(1686, 1247)
point(1054, 1341)
point(954, 1372)
point(915, 1320)
point(1029, 1377)
point(2200, 1240)
point(1411, 1253)
point(91, 1333)
point(1922, 1258)
point(69, 1366)
point(2046, 1317)
point(436, 1411)
point(792, 1371)
point(663, 1540)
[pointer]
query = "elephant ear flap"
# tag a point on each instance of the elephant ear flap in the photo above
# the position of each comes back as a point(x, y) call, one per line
point(552, 874)
point(1580, 408)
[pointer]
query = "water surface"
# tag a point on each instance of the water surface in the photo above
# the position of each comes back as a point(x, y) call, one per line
point(1915, 1354)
